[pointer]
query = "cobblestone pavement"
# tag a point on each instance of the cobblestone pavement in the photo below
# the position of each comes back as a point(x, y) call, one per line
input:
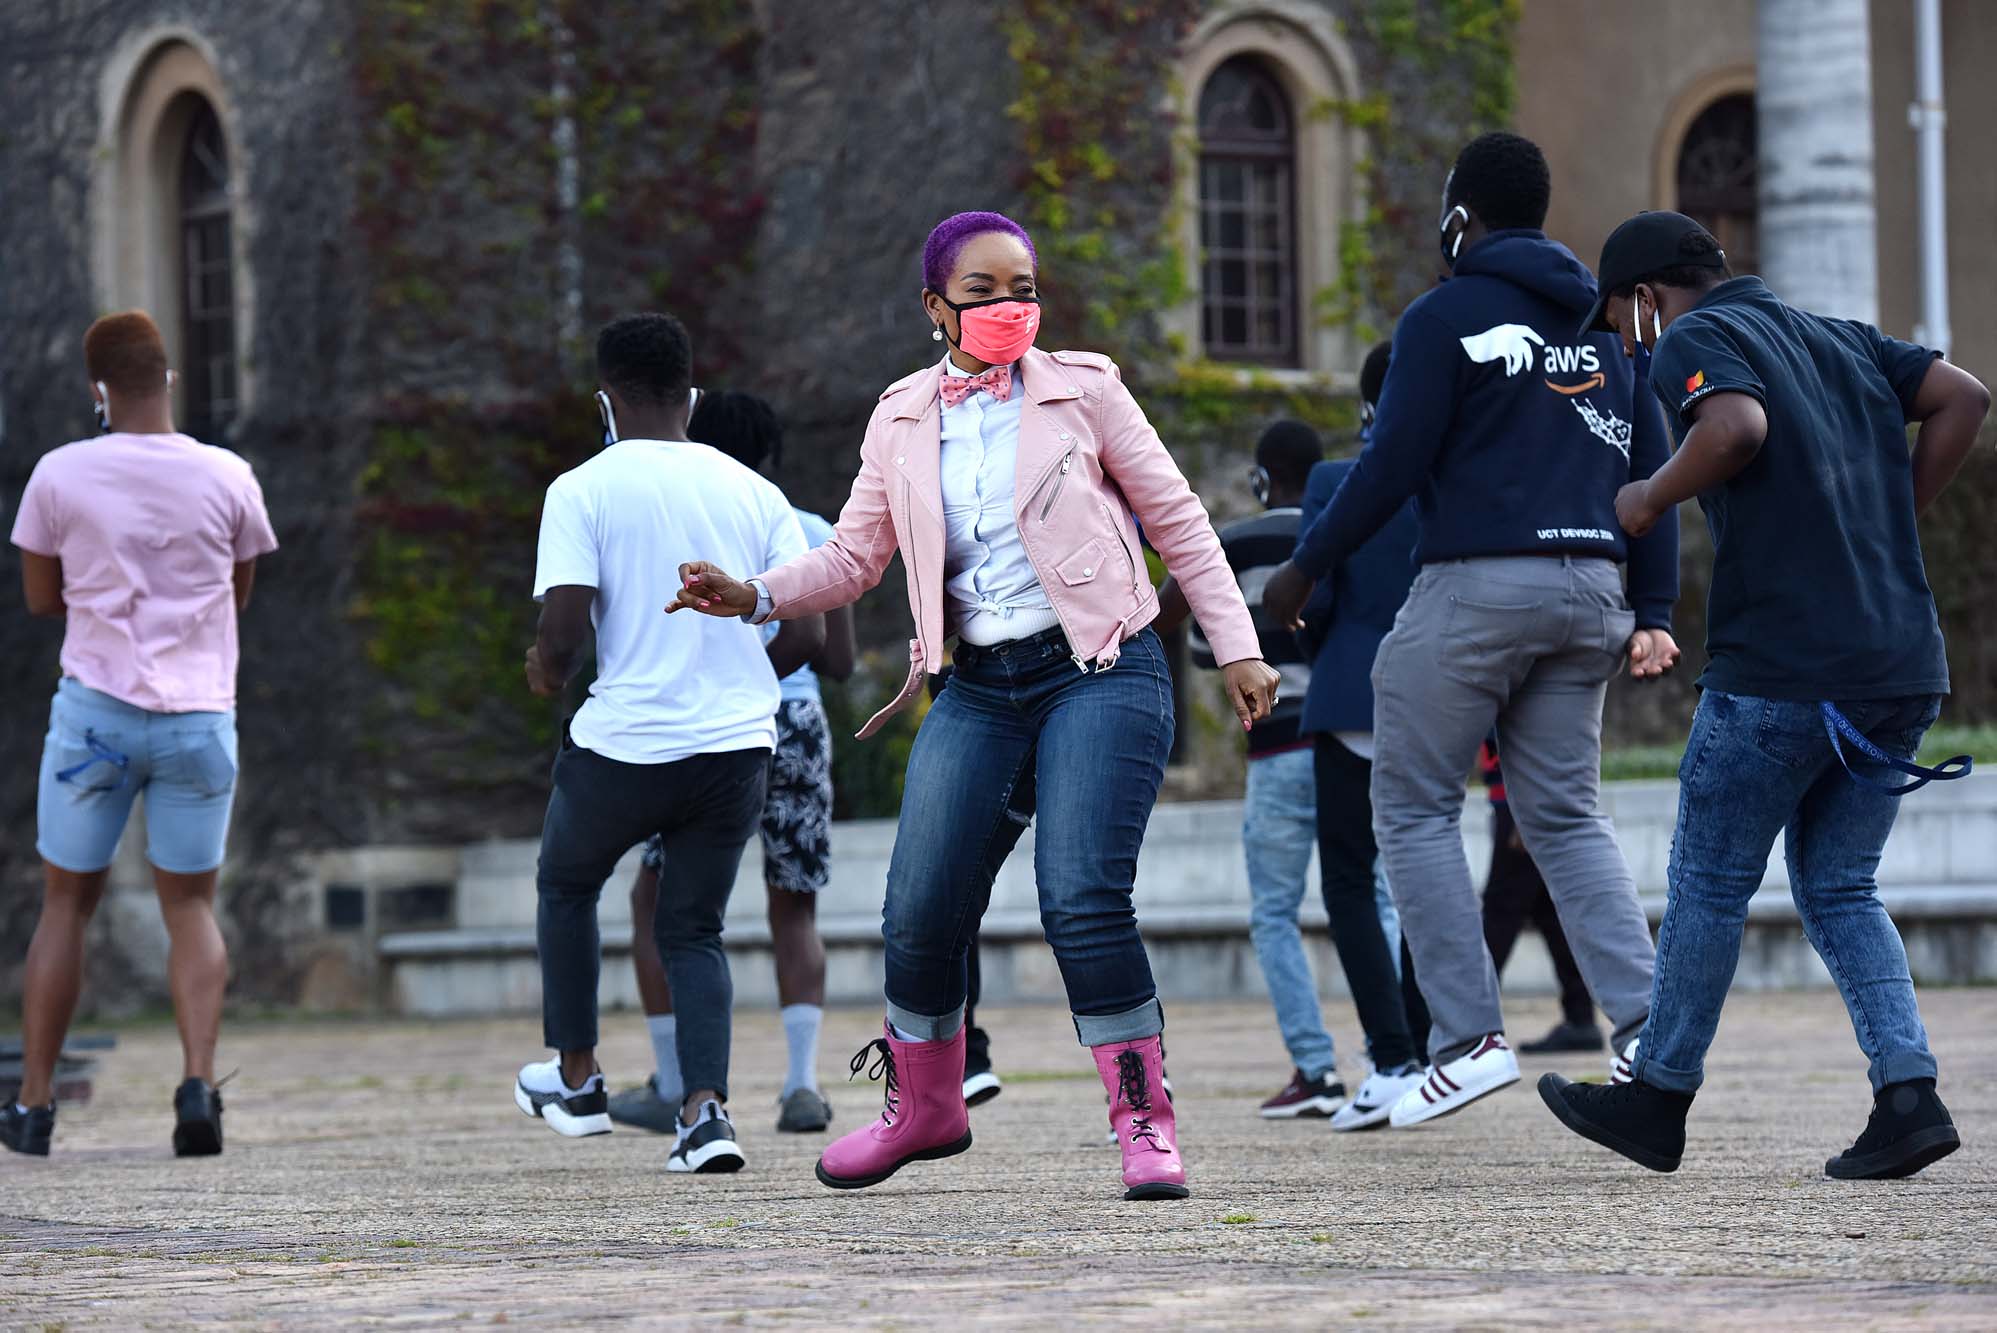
point(379, 1173)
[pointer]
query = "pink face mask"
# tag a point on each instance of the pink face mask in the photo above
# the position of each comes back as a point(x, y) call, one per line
point(999, 330)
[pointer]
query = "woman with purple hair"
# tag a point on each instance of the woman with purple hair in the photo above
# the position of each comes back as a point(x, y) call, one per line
point(1012, 481)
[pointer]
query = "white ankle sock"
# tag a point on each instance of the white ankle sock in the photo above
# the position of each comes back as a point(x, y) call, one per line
point(899, 1035)
point(801, 1024)
point(665, 1030)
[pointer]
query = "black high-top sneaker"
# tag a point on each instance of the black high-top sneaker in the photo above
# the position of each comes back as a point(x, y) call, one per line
point(197, 1120)
point(27, 1129)
point(1909, 1129)
point(1643, 1123)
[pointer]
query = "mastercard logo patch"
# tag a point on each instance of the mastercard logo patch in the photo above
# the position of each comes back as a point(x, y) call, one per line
point(1692, 384)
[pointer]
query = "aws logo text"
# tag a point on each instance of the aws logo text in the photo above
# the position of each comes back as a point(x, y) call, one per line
point(1520, 347)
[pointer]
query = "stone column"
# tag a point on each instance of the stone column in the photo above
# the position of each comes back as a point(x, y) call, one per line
point(1813, 99)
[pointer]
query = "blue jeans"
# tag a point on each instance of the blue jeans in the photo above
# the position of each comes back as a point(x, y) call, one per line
point(1278, 832)
point(1095, 743)
point(1755, 768)
point(102, 754)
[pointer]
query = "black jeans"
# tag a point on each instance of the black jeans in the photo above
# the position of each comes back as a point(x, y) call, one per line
point(1346, 853)
point(705, 807)
point(1515, 894)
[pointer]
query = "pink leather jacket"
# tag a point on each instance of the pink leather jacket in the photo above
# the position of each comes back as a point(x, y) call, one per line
point(1087, 460)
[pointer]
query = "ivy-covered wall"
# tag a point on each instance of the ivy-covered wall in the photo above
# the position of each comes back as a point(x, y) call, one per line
point(529, 169)
point(442, 200)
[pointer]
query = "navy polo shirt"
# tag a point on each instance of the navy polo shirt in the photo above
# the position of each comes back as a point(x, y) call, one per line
point(1818, 587)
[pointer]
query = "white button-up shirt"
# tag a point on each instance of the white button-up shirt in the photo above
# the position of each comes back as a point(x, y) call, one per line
point(991, 592)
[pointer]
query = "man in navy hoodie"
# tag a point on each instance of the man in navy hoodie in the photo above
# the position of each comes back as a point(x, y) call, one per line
point(1513, 436)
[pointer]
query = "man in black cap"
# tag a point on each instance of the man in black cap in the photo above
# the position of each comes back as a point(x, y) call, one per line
point(1827, 664)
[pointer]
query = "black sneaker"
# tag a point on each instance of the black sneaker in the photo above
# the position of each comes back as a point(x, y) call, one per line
point(197, 1117)
point(27, 1129)
point(707, 1145)
point(805, 1111)
point(1565, 1038)
point(1644, 1124)
point(643, 1108)
point(981, 1081)
point(1909, 1129)
point(1313, 1098)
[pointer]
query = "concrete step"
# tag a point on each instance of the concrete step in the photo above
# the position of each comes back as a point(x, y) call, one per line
point(1204, 954)
point(1193, 900)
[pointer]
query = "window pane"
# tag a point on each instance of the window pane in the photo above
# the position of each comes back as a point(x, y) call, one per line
point(207, 293)
point(1233, 325)
point(1247, 226)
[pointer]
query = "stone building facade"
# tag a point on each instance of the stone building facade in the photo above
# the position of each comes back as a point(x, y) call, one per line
point(380, 233)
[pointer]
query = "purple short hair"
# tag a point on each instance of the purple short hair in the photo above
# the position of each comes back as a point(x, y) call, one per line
point(947, 241)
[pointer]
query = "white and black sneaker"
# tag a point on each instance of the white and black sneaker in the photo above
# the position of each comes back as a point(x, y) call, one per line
point(707, 1146)
point(574, 1112)
point(1374, 1102)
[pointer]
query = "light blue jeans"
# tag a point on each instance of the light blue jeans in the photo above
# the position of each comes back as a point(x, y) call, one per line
point(102, 754)
point(1278, 832)
point(1755, 770)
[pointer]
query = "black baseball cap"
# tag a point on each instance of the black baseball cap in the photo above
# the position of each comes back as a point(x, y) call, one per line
point(1648, 243)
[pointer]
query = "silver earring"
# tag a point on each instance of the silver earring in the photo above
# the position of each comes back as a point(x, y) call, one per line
point(936, 334)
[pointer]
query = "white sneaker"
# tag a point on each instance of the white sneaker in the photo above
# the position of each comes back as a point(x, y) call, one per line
point(574, 1112)
point(707, 1146)
point(1490, 1065)
point(1620, 1068)
point(1375, 1100)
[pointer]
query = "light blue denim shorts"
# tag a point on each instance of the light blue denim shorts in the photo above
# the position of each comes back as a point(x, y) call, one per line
point(102, 754)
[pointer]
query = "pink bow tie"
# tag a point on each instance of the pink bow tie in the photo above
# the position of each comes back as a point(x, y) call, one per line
point(997, 382)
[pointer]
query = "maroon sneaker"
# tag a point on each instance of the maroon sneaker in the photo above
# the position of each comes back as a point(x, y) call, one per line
point(1306, 1098)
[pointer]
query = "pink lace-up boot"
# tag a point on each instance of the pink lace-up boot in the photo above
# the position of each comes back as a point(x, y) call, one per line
point(924, 1117)
point(1141, 1115)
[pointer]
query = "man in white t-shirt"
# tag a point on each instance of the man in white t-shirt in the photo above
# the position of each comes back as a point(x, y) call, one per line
point(675, 737)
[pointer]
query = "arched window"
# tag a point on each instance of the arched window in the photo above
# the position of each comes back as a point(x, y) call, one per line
point(169, 239)
point(207, 289)
point(1717, 169)
point(1247, 201)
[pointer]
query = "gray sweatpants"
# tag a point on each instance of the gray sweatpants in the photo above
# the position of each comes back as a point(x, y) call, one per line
point(1528, 643)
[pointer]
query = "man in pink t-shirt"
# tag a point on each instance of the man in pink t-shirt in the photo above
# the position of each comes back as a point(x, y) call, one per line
point(144, 542)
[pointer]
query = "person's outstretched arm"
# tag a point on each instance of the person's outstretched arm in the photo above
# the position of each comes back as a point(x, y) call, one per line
point(837, 573)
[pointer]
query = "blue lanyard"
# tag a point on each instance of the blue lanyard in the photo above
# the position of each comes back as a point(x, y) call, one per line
point(100, 753)
point(1840, 728)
